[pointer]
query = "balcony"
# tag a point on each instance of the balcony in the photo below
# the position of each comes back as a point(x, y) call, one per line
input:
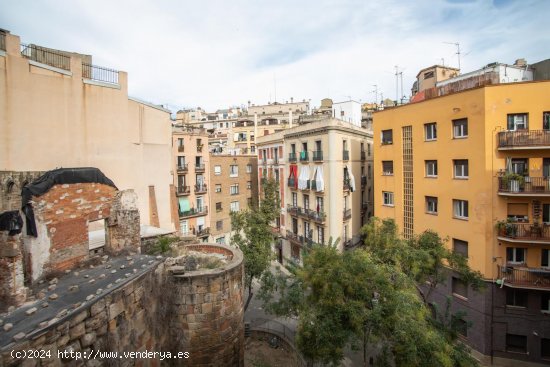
point(347, 214)
point(46, 56)
point(524, 232)
point(364, 206)
point(308, 186)
point(314, 186)
point(525, 277)
point(181, 148)
point(183, 190)
point(295, 237)
point(524, 186)
point(182, 168)
point(317, 156)
point(363, 155)
point(99, 73)
point(199, 168)
point(347, 244)
point(317, 216)
point(345, 155)
point(346, 184)
point(203, 232)
point(194, 212)
point(524, 139)
point(200, 189)
point(292, 182)
point(363, 181)
point(292, 157)
point(304, 156)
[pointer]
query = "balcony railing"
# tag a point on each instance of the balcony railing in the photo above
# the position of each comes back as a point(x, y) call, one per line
point(295, 237)
point(525, 185)
point(524, 138)
point(363, 155)
point(194, 212)
point(292, 157)
point(345, 155)
point(200, 189)
point(99, 73)
point(525, 276)
point(317, 155)
point(203, 232)
point(199, 167)
point(346, 184)
point(183, 167)
point(363, 181)
point(46, 56)
point(317, 216)
point(314, 185)
point(3, 41)
point(291, 182)
point(304, 156)
point(308, 185)
point(181, 148)
point(183, 190)
point(525, 232)
point(347, 214)
point(364, 205)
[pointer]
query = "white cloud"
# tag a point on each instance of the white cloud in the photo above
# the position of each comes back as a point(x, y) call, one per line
point(219, 53)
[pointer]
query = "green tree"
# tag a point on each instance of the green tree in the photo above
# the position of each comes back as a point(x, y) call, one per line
point(369, 296)
point(252, 233)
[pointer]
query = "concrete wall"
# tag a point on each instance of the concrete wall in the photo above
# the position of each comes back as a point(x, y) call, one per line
point(51, 118)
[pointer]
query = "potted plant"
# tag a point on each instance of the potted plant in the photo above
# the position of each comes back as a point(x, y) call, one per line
point(513, 181)
point(506, 228)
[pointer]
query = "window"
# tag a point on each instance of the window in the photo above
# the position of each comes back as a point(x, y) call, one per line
point(234, 206)
point(249, 185)
point(460, 209)
point(431, 168)
point(545, 301)
point(294, 199)
point(516, 343)
point(320, 235)
point(387, 168)
point(219, 207)
point(546, 120)
point(428, 74)
point(248, 168)
point(516, 297)
point(387, 137)
point(181, 162)
point(460, 128)
point(520, 166)
point(319, 206)
point(431, 205)
point(545, 258)
point(234, 189)
point(459, 288)
point(218, 188)
point(460, 168)
point(199, 145)
point(515, 255)
point(233, 170)
point(217, 170)
point(369, 172)
point(306, 231)
point(368, 150)
point(387, 198)
point(518, 121)
point(545, 348)
point(460, 247)
point(430, 131)
point(219, 225)
point(306, 201)
point(461, 326)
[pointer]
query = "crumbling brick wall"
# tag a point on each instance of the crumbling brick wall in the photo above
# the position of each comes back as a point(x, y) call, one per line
point(11, 183)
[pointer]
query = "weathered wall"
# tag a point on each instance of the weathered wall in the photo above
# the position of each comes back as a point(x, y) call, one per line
point(11, 183)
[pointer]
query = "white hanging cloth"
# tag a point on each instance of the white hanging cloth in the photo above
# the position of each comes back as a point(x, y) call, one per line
point(303, 177)
point(319, 179)
point(351, 179)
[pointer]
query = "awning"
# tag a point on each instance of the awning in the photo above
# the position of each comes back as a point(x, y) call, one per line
point(303, 178)
point(320, 183)
point(184, 205)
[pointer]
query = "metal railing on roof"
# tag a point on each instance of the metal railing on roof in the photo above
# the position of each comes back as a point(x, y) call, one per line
point(99, 73)
point(46, 56)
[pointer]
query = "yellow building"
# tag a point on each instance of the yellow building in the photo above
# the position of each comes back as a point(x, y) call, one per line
point(473, 166)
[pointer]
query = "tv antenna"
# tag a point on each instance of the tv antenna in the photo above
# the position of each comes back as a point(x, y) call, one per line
point(375, 93)
point(457, 44)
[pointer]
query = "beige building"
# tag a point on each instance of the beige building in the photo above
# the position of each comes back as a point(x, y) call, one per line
point(234, 185)
point(191, 167)
point(326, 190)
point(59, 110)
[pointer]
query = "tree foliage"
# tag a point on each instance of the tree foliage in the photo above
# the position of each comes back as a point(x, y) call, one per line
point(372, 296)
point(252, 233)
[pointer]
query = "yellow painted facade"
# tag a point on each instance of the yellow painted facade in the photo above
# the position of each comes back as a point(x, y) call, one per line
point(487, 111)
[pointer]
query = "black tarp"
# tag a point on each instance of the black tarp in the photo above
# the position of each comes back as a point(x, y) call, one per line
point(57, 177)
point(11, 221)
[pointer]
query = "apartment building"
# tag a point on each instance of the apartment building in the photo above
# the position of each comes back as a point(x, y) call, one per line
point(58, 109)
point(234, 186)
point(474, 166)
point(191, 167)
point(326, 188)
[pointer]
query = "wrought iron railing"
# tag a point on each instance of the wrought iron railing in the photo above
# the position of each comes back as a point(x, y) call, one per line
point(345, 155)
point(99, 73)
point(194, 211)
point(317, 155)
point(524, 276)
point(317, 216)
point(202, 232)
point(525, 231)
point(524, 185)
point(523, 138)
point(183, 167)
point(304, 156)
point(292, 157)
point(199, 167)
point(347, 184)
point(183, 190)
point(363, 155)
point(200, 188)
point(291, 182)
point(347, 214)
point(46, 56)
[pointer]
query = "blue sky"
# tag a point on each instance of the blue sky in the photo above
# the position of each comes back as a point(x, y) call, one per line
point(220, 53)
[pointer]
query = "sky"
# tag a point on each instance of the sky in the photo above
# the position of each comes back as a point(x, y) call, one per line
point(216, 54)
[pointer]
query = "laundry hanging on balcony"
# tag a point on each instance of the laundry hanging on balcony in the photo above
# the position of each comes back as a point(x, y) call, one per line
point(293, 176)
point(303, 178)
point(319, 182)
point(350, 178)
point(184, 205)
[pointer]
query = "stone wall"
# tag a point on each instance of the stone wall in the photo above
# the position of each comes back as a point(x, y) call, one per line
point(11, 183)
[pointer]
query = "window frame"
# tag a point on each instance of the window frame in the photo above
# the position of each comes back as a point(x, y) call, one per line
point(232, 206)
point(463, 206)
point(384, 134)
point(388, 198)
point(431, 200)
point(234, 189)
point(426, 165)
point(234, 170)
point(430, 129)
point(218, 188)
point(386, 172)
point(515, 251)
point(461, 242)
point(466, 170)
point(217, 170)
point(461, 128)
